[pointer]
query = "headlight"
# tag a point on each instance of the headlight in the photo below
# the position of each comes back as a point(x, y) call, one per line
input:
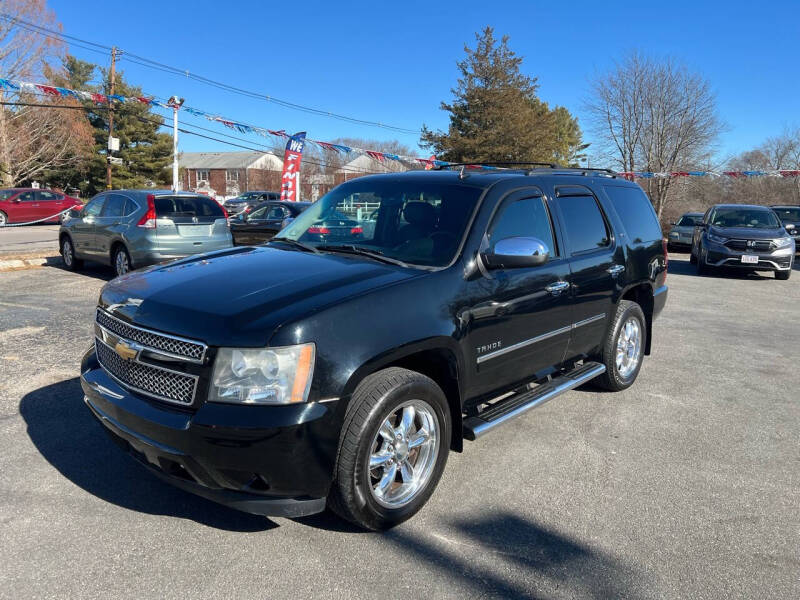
point(782, 242)
point(262, 375)
point(717, 238)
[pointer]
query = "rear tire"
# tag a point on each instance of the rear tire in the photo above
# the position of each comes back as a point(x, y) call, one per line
point(68, 255)
point(783, 275)
point(623, 349)
point(390, 458)
point(121, 261)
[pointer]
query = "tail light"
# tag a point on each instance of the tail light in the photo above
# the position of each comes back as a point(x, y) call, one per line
point(318, 230)
point(356, 231)
point(224, 212)
point(666, 260)
point(148, 220)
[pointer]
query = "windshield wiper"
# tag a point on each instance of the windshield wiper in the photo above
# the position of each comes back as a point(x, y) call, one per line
point(352, 249)
point(296, 244)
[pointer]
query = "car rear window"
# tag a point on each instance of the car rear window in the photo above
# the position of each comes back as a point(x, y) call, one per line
point(187, 206)
point(636, 213)
point(689, 220)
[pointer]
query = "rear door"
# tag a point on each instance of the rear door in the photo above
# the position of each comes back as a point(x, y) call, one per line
point(49, 203)
point(190, 224)
point(591, 248)
point(111, 223)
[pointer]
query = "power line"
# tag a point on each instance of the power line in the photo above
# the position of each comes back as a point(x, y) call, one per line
point(162, 123)
point(149, 63)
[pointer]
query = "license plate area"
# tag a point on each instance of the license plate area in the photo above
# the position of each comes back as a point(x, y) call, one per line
point(749, 259)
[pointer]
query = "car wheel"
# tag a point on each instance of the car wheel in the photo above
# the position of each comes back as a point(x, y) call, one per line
point(121, 261)
point(393, 449)
point(783, 275)
point(3, 219)
point(68, 255)
point(702, 267)
point(692, 257)
point(623, 349)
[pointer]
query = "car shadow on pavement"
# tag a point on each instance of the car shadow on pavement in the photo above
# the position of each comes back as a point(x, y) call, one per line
point(93, 270)
point(69, 438)
point(521, 559)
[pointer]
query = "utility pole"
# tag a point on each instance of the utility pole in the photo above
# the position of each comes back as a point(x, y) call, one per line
point(175, 102)
point(112, 74)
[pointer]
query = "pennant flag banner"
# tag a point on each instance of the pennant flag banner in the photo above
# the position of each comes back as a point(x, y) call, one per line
point(379, 157)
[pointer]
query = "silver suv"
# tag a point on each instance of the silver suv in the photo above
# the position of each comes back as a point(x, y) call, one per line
point(128, 229)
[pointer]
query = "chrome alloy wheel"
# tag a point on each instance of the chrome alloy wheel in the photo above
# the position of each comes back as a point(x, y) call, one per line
point(403, 454)
point(629, 347)
point(66, 253)
point(121, 263)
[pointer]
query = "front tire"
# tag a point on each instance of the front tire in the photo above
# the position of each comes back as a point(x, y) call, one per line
point(783, 275)
point(623, 348)
point(3, 219)
point(68, 255)
point(393, 449)
point(702, 267)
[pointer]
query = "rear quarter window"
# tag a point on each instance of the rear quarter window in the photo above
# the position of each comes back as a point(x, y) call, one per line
point(636, 213)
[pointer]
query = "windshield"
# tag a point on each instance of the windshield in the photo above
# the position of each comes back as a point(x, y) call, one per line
point(417, 223)
point(753, 218)
point(786, 215)
point(689, 220)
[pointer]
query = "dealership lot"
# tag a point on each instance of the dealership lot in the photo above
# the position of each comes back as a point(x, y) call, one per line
point(685, 485)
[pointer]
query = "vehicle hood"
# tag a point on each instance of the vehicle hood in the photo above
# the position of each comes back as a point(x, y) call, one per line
point(240, 296)
point(748, 233)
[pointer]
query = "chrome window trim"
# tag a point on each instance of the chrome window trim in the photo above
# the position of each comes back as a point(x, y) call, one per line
point(144, 392)
point(156, 333)
point(539, 338)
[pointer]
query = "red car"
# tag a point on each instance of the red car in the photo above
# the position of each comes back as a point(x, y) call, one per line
point(20, 205)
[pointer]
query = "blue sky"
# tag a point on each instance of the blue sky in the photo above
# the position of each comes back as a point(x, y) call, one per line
point(394, 62)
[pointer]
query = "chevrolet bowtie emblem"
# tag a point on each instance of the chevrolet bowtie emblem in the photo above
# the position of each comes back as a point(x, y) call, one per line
point(125, 350)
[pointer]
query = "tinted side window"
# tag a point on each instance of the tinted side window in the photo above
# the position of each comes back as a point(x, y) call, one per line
point(95, 206)
point(187, 206)
point(47, 196)
point(27, 196)
point(523, 218)
point(584, 223)
point(115, 206)
point(636, 213)
point(275, 212)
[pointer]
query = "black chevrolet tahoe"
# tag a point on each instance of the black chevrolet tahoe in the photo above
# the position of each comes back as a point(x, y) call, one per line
point(338, 366)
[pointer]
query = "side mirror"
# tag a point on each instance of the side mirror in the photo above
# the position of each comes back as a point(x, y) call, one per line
point(516, 252)
point(75, 213)
point(789, 226)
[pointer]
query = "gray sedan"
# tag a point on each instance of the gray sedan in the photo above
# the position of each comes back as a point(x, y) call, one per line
point(680, 235)
point(128, 229)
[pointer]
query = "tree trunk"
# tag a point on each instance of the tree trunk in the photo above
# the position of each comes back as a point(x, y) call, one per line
point(5, 151)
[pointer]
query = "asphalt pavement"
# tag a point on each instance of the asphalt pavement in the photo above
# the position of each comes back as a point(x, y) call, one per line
point(687, 485)
point(40, 240)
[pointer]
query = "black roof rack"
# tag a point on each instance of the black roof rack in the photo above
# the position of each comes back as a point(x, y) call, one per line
point(499, 164)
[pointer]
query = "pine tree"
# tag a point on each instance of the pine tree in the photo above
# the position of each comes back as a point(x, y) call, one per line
point(496, 114)
point(146, 153)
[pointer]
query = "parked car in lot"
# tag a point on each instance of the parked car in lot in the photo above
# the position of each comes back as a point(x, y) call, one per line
point(248, 201)
point(264, 221)
point(790, 218)
point(682, 231)
point(22, 205)
point(129, 229)
point(744, 237)
point(283, 378)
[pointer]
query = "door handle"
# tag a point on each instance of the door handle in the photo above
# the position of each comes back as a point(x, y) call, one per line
point(615, 270)
point(556, 288)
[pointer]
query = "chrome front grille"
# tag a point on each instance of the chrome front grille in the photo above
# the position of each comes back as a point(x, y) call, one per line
point(171, 345)
point(751, 245)
point(160, 383)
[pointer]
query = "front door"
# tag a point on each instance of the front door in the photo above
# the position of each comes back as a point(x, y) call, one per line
point(520, 318)
point(82, 228)
point(590, 245)
point(27, 207)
